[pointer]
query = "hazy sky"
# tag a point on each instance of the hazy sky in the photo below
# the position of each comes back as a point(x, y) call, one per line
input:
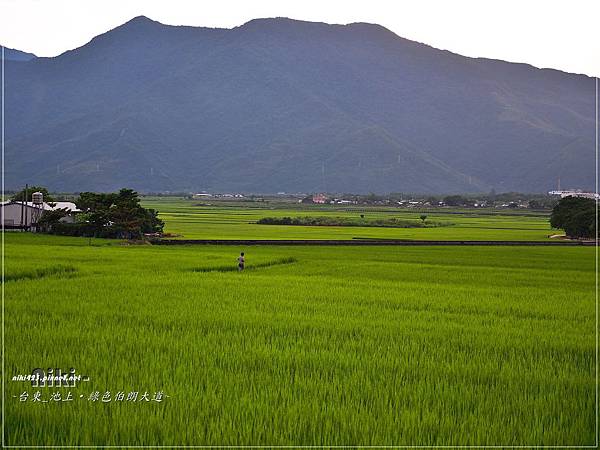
point(562, 34)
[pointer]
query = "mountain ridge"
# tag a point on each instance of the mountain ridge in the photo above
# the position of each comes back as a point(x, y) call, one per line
point(146, 19)
point(264, 108)
point(11, 54)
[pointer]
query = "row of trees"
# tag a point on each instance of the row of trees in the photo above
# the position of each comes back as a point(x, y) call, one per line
point(115, 215)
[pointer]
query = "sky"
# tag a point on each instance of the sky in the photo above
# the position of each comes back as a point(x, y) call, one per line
point(560, 34)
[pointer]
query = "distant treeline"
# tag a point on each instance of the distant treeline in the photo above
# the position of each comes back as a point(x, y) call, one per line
point(491, 199)
point(321, 221)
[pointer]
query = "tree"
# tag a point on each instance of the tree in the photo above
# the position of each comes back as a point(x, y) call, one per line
point(576, 216)
point(455, 200)
point(90, 201)
point(96, 219)
point(372, 198)
point(151, 223)
point(50, 218)
point(20, 196)
point(118, 215)
point(423, 217)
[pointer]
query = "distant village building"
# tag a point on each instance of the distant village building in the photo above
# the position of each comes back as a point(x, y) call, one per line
point(319, 198)
point(24, 215)
point(575, 193)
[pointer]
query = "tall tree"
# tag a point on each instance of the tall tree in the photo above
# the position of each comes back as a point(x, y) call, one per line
point(576, 216)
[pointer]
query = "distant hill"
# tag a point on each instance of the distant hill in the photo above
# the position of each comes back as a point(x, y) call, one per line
point(284, 105)
point(10, 54)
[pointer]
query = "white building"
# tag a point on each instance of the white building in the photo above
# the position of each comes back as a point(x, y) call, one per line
point(15, 215)
point(575, 193)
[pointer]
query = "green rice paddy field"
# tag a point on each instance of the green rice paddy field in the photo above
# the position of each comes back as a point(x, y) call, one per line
point(231, 220)
point(309, 345)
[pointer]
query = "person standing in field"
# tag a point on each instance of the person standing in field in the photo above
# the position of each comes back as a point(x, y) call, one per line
point(241, 262)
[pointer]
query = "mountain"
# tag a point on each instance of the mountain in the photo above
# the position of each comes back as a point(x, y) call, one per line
point(285, 105)
point(10, 54)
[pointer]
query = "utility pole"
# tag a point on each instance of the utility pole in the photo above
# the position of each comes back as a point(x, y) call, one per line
point(25, 199)
point(22, 210)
